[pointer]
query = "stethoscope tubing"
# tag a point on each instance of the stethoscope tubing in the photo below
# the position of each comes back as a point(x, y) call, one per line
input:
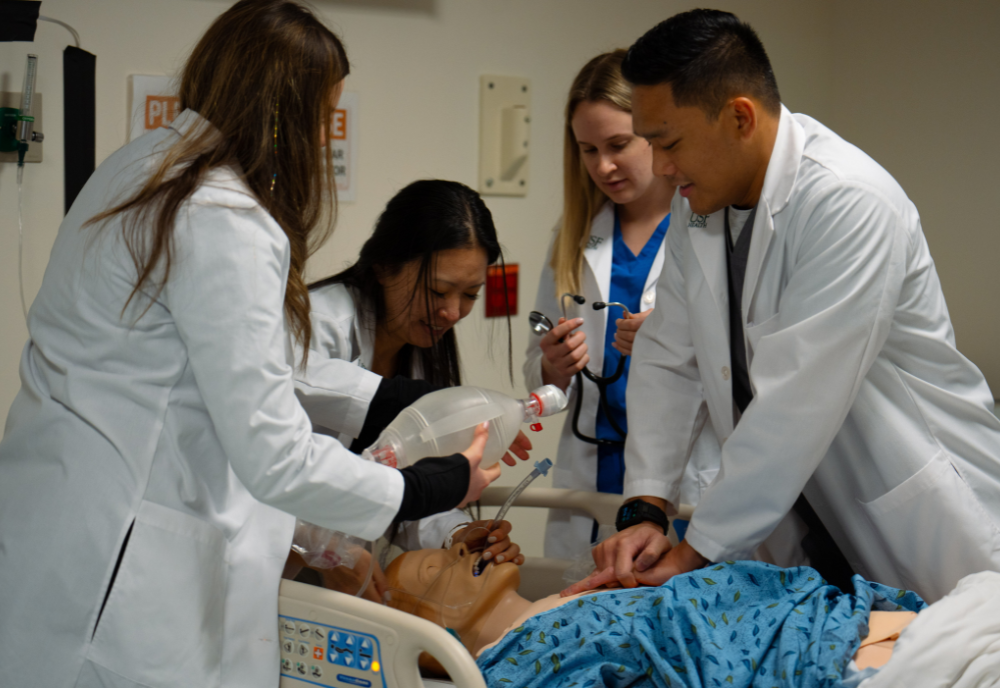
point(601, 382)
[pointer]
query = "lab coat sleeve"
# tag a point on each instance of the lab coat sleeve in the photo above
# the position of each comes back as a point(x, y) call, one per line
point(226, 292)
point(547, 304)
point(665, 399)
point(334, 391)
point(808, 364)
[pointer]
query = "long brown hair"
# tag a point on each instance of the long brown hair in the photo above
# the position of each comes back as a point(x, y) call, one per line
point(600, 79)
point(263, 76)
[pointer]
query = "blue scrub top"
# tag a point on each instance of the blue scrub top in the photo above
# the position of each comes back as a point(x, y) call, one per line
point(628, 279)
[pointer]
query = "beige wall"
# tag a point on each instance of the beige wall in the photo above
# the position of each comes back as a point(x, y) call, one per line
point(915, 87)
point(415, 65)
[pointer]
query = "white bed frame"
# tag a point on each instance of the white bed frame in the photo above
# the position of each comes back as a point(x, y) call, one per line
point(402, 637)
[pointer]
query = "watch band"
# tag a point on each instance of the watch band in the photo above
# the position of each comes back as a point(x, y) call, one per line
point(638, 511)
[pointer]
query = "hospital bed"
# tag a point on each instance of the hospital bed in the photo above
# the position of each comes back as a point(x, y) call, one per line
point(337, 640)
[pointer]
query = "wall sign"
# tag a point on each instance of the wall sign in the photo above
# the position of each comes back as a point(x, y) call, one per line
point(153, 103)
point(344, 140)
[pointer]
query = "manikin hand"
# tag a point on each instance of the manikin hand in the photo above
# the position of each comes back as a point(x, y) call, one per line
point(640, 555)
point(499, 547)
point(520, 449)
point(479, 478)
point(627, 329)
point(564, 353)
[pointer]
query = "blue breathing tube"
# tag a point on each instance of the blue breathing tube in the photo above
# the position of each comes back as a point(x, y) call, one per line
point(541, 468)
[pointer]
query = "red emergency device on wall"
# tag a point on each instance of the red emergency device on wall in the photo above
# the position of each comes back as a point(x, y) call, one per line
point(501, 280)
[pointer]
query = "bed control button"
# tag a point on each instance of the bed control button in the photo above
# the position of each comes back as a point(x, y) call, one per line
point(288, 627)
point(286, 665)
point(304, 630)
point(319, 634)
point(364, 663)
point(300, 668)
point(303, 649)
point(287, 646)
point(315, 671)
point(366, 647)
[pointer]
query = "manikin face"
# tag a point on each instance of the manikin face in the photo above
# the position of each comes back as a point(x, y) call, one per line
point(619, 162)
point(457, 276)
point(442, 586)
point(707, 160)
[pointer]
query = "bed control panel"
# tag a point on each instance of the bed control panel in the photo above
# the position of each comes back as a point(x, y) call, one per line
point(323, 655)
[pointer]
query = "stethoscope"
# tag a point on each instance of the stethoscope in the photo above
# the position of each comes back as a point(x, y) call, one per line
point(540, 324)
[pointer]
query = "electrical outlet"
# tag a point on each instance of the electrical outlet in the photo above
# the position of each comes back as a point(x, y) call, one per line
point(11, 99)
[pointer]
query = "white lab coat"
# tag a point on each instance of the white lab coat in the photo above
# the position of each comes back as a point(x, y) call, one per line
point(568, 532)
point(860, 395)
point(337, 387)
point(180, 426)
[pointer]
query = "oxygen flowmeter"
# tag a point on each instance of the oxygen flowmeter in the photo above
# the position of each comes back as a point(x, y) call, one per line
point(17, 124)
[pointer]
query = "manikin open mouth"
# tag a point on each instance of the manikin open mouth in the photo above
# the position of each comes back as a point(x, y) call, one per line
point(480, 565)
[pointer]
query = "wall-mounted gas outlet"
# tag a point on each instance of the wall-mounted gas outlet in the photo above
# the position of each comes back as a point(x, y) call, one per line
point(504, 119)
point(12, 99)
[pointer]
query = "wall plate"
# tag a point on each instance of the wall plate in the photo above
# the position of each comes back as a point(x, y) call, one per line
point(12, 99)
point(504, 135)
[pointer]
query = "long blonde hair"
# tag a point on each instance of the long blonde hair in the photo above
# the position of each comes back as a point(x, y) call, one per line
point(262, 75)
point(600, 79)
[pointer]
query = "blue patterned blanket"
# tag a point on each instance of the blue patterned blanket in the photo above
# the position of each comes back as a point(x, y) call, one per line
point(725, 626)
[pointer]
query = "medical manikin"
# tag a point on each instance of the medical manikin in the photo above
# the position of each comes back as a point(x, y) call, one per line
point(722, 621)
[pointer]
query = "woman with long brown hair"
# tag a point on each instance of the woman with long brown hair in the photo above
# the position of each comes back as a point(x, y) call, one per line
point(608, 247)
point(156, 457)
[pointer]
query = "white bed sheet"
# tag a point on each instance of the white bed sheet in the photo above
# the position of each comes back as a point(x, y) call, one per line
point(955, 642)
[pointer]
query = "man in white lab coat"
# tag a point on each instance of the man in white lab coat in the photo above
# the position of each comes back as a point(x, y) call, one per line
point(800, 309)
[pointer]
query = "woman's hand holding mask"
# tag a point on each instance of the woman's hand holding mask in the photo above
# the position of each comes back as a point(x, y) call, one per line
point(479, 478)
point(494, 540)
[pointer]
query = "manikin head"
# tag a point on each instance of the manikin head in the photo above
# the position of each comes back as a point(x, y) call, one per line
point(442, 586)
point(706, 98)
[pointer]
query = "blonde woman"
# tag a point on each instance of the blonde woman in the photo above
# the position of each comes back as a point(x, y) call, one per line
point(608, 247)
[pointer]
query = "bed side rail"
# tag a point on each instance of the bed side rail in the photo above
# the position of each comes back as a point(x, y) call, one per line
point(602, 507)
point(338, 636)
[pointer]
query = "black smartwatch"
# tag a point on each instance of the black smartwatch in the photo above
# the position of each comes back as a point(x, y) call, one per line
point(638, 511)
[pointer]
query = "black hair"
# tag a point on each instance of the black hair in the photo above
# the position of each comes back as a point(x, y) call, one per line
point(707, 57)
point(426, 217)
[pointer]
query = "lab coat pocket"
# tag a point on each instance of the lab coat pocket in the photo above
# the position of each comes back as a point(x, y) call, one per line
point(168, 598)
point(934, 529)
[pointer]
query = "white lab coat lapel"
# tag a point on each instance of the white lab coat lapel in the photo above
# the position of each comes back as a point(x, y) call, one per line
point(708, 236)
point(782, 170)
point(648, 290)
point(364, 338)
point(598, 252)
point(710, 315)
